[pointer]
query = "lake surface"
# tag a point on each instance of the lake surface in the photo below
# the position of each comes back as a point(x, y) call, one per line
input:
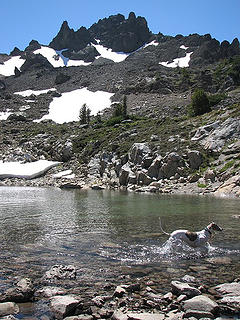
point(108, 234)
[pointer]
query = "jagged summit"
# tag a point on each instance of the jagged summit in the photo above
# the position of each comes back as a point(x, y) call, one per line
point(115, 32)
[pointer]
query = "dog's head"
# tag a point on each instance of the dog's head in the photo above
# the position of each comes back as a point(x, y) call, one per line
point(213, 226)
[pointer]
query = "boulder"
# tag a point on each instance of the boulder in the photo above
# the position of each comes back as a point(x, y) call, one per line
point(63, 306)
point(143, 178)
point(58, 272)
point(80, 317)
point(209, 175)
point(138, 152)
point(195, 159)
point(35, 62)
point(231, 187)
point(118, 315)
point(48, 292)
point(124, 174)
point(171, 165)
point(8, 308)
point(22, 292)
point(180, 288)
point(153, 170)
point(201, 303)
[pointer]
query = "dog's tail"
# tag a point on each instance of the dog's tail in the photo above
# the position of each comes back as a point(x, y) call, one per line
point(160, 224)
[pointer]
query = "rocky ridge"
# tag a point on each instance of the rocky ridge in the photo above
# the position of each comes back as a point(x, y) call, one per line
point(159, 148)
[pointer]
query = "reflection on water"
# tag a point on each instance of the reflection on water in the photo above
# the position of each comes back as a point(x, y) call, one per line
point(108, 231)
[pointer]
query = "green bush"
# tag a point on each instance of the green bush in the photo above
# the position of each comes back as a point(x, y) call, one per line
point(200, 103)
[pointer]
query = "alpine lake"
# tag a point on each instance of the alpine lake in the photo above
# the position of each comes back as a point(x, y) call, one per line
point(109, 235)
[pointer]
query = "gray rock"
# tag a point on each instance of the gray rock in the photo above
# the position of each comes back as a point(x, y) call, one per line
point(153, 170)
point(63, 306)
point(48, 292)
point(118, 315)
point(61, 272)
point(145, 316)
point(119, 292)
point(8, 308)
point(138, 151)
point(124, 174)
point(184, 288)
point(198, 314)
point(170, 166)
point(201, 303)
point(80, 317)
point(230, 289)
point(195, 159)
point(143, 178)
point(214, 136)
point(22, 292)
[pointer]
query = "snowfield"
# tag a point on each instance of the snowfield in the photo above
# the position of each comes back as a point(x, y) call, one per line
point(179, 62)
point(57, 59)
point(28, 93)
point(66, 108)
point(28, 170)
point(7, 68)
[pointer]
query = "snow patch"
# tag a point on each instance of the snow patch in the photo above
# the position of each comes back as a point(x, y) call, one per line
point(57, 59)
point(28, 93)
point(4, 115)
point(7, 68)
point(153, 43)
point(66, 108)
point(25, 170)
point(109, 54)
point(178, 62)
point(183, 47)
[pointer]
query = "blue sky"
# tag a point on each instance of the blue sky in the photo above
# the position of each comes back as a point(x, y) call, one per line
point(24, 20)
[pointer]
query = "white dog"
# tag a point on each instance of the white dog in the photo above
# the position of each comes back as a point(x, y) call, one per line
point(198, 239)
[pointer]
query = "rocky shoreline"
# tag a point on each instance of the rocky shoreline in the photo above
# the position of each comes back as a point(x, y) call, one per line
point(140, 299)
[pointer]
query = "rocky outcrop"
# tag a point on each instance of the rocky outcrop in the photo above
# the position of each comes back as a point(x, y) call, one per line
point(120, 34)
point(35, 62)
point(69, 39)
point(215, 135)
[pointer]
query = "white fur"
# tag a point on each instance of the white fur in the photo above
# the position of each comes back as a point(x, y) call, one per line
point(203, 237)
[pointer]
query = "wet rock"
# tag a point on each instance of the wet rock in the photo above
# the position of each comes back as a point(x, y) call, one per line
point(48, 292)
point(145, 316)
point(8, 308)
point(80, 317)
point(184, 288)
point(58, 272)
point(118, 315)
point(201, 303)
point(63, 306)
point(23, 292)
